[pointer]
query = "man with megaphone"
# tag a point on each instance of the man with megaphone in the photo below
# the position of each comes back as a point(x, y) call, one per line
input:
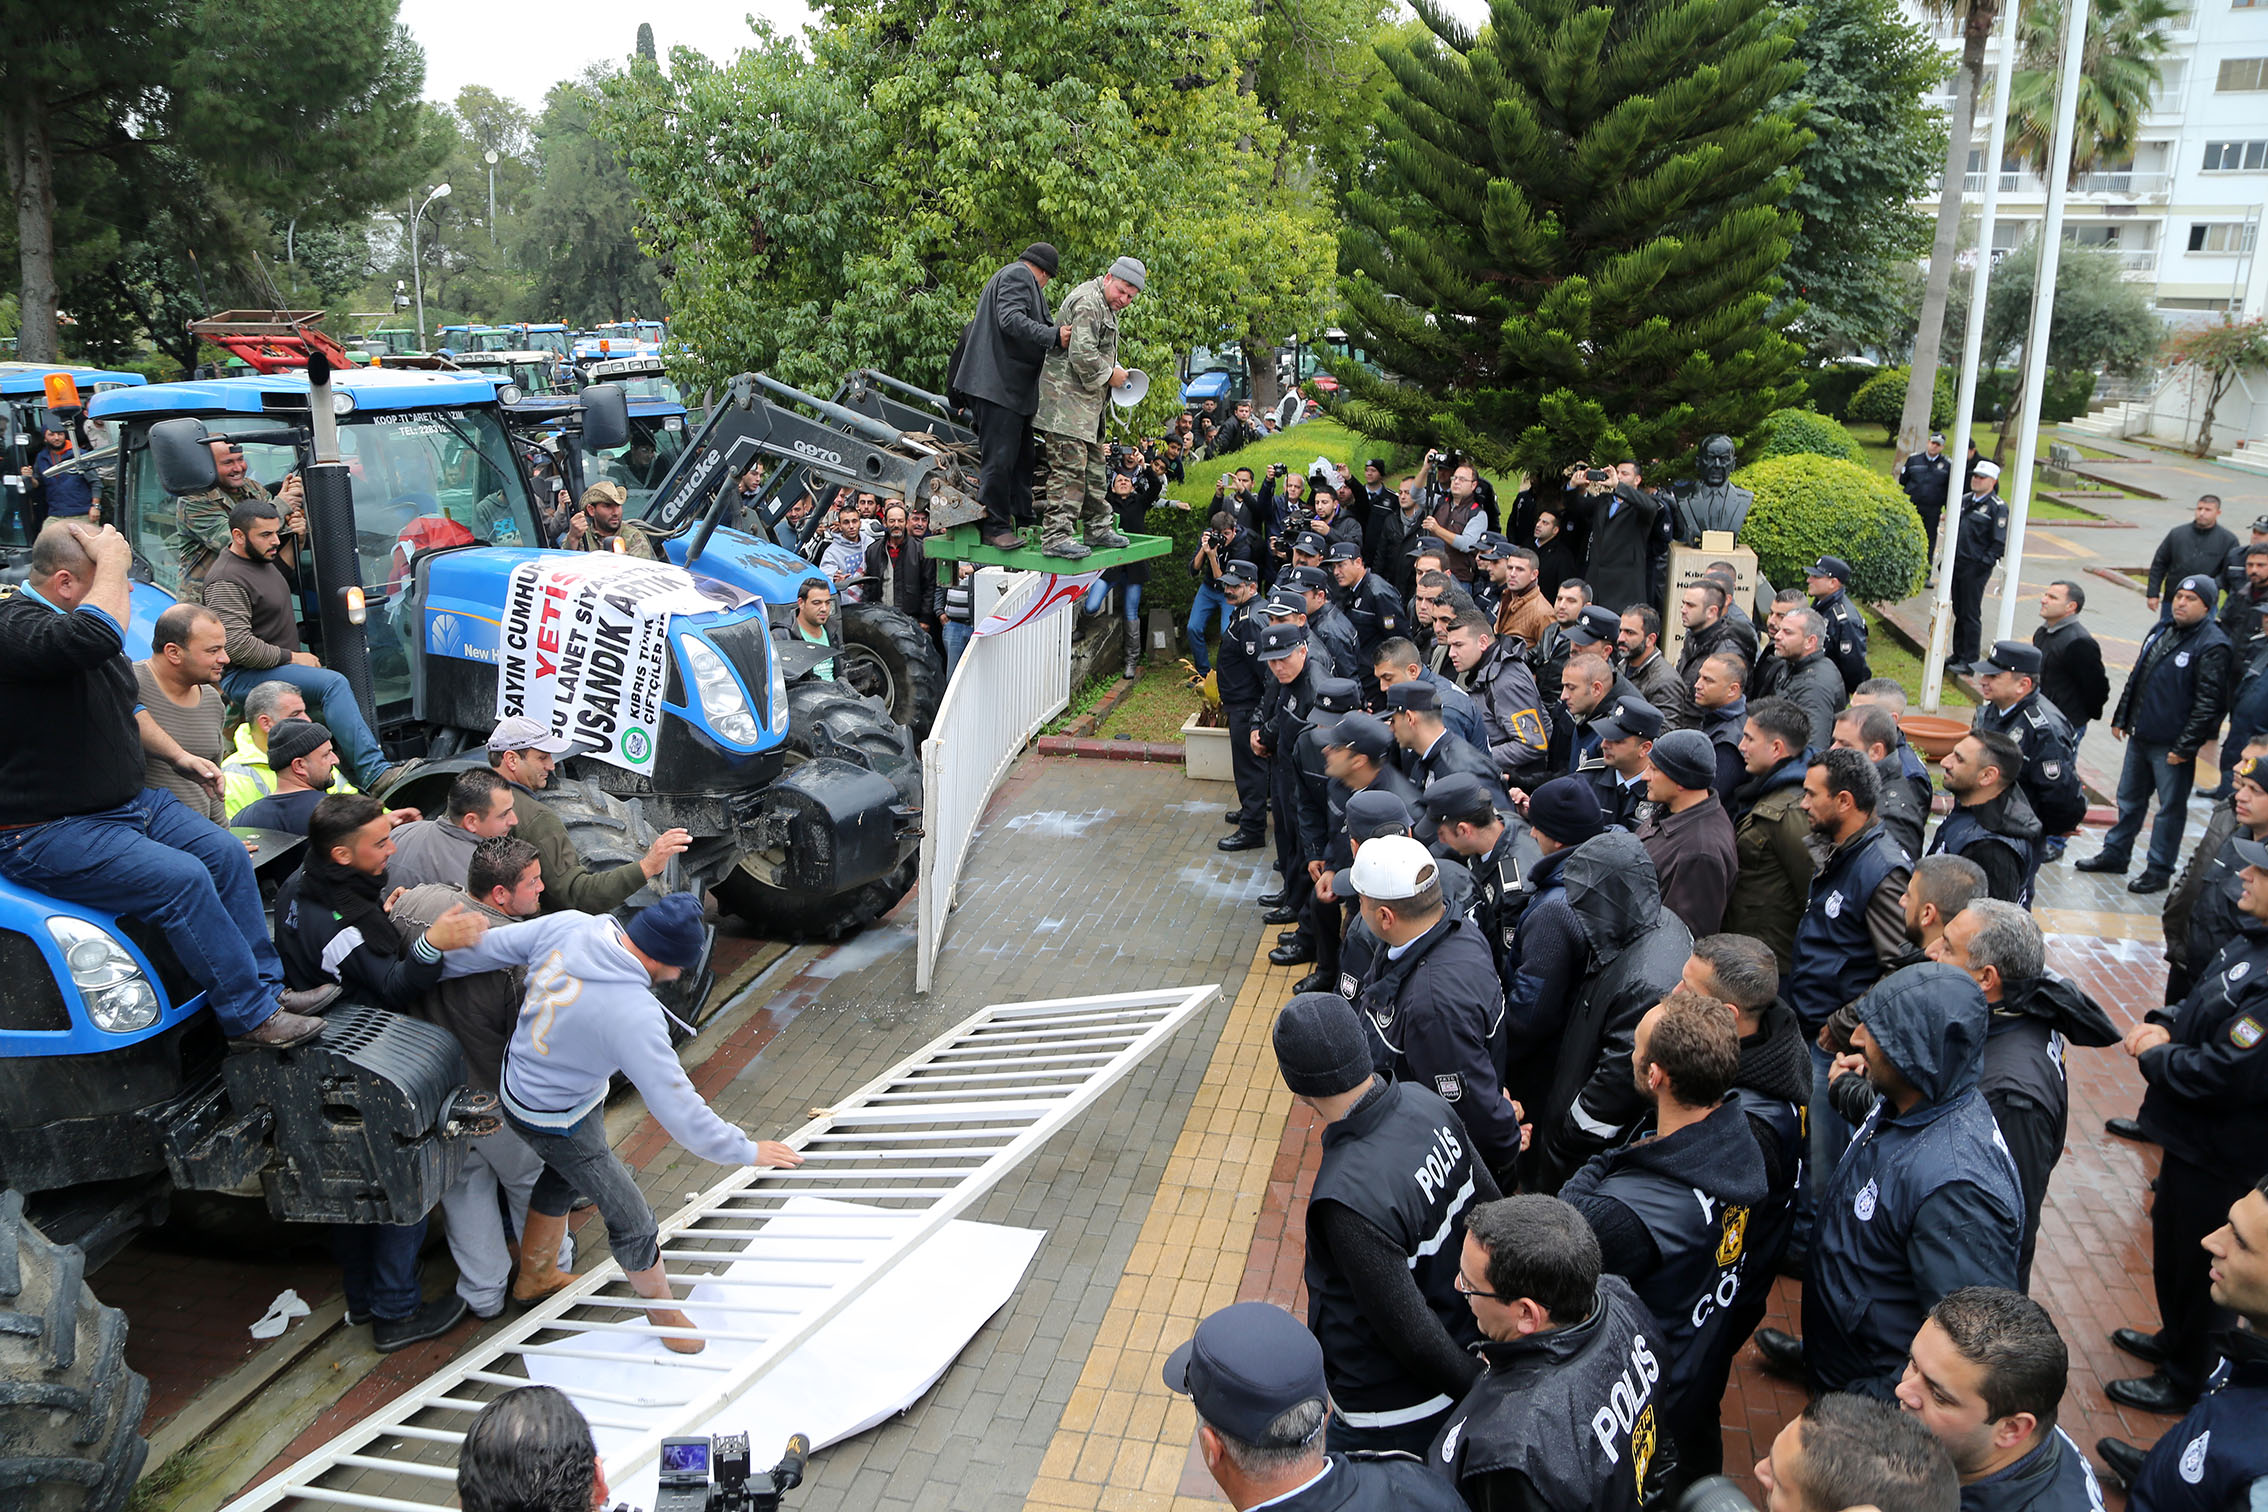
point(1075, 385)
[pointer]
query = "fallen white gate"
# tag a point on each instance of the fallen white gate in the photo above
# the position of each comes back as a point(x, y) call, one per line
point(927, 1138)
point(1004, 689)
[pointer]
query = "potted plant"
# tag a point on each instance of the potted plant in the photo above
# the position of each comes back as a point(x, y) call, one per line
point(1205, 736)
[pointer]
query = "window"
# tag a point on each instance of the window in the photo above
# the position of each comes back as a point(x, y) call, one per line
point(2235, 157)
point(2239, 74)
point(2221, 236)
point(2092, 236)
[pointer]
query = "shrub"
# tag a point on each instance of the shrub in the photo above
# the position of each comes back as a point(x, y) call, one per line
point(1831, 387)
point(1882, 399)
point(1809, 506)
point(1792, 432)
point(1172, 585)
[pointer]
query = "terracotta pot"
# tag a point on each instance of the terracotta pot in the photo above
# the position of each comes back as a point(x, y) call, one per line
point(1932, 734)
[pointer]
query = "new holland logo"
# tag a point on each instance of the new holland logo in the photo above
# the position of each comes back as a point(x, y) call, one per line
point(441, 635)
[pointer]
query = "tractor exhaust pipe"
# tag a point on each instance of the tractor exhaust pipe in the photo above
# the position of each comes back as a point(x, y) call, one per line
point(329, 494)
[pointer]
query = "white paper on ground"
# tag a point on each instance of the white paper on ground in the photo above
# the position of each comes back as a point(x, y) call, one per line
point(873, 1360)
point(277, 1318)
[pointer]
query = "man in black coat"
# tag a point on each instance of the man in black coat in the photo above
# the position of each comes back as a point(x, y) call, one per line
point(1799, 671)
point(995, 371)
point(1980, 540)
point(1992, 822)
point(2199, 548)
point(1927, 476)
point(2071, 661)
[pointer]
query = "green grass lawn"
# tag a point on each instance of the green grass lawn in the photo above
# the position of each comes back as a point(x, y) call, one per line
point(1882, 457)
point(1889, 657)
point(1296, 449)
point(1155, 708)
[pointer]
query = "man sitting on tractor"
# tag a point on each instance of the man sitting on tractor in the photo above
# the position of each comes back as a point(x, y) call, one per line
point(254, 600)
point(597, 525)
point(203, 518)
point(523, 753)
point(76, 821)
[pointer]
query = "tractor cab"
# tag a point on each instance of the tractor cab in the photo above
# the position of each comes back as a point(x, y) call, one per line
point(550, 338)
point(658, 433)
point(430, 464)
point(27, 391)
point(392, 341)
point(1215, 373)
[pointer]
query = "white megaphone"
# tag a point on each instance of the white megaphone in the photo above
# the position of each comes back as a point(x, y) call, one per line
point(1132, 391)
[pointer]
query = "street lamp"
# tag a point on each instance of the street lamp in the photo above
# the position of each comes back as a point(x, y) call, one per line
point(490, 156)
point(417, 271)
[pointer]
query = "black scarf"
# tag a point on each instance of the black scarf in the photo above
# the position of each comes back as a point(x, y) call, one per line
point(356, 897)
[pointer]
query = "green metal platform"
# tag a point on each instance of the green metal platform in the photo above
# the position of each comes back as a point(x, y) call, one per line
point(963, 544)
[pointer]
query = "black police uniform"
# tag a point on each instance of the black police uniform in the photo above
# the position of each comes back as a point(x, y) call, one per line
point(2217, 1456)
point(1845, 637)
point(1672, 1217)
point(1309, 824)
point(1365, 1482)
point(1327, 921)
point(1449, 756)
point(1401, 1162)
point(1927, 480)
point(2054, 1477)
point(1436, 1016)
point(1360, 947)
point(1499, 891)
point(1983, 537)
point(1243, 682)
point(1284, 712)
point(2051, 748)
point(2003, 837)
point(2207, 1106)
point(1336, 632)
point(1375, 610)
point(1566, 1419)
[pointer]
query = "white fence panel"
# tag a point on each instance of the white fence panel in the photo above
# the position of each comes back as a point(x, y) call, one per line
point(1004, 689)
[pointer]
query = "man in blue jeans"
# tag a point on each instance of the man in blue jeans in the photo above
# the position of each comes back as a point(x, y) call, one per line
point(1225, 542)
point(253, 599)
point(2171, 706)
point(76, 822)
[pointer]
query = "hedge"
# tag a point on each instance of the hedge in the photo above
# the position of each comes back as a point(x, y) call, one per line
point(1882, 399)
point(1792, 432)
point(2069, 395)
point(1830, 388)
point(1808, 507)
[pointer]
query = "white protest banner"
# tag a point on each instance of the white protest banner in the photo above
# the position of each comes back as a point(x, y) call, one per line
point(1061, 589)
point(585, 650)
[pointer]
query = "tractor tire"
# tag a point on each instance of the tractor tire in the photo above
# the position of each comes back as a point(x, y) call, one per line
point(70, 1410)
point(607, 831)
point(887, 655)
point(824, 721)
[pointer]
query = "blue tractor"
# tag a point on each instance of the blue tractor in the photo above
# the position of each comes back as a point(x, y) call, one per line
point(27, 391)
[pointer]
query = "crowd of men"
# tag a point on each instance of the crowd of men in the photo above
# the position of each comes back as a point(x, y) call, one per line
point(1654, 979)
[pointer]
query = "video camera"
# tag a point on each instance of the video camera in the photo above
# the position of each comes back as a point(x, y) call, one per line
point(711, 1475)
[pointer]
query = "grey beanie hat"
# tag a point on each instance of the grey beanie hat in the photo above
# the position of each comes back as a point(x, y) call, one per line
point(1685, 757)
point(1129, 270)
point(1321, 1046)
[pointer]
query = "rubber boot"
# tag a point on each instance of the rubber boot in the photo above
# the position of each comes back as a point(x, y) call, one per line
point(652, 1283)
point(540, 1275)
point(1133, 649)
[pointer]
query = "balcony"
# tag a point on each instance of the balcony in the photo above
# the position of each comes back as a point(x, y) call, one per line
point(2112, 184)
point(2137, 264)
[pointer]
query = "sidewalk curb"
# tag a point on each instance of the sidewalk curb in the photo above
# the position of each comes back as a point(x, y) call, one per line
point(1113, 750)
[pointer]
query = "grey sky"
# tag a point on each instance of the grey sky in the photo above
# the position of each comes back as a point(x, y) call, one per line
point(520, 48)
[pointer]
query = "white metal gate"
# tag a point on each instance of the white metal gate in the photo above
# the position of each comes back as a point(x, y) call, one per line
point(927, 1138)
point(1005, 687)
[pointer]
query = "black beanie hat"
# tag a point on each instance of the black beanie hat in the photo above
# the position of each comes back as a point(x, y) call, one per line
point(1321, 1046)
point(1040, 255)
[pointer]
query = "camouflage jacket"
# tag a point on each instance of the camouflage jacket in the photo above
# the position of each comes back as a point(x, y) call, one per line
point(200, 525)
point(635, 541)
point(1074, 384)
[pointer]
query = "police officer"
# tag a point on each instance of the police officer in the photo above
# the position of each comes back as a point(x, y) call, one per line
point(1370, 602)
point(1566, 1416)
point(2009, 678)
point(1428, 751)
point(1672, 1206)
point(1311, 819)
point(1992, 823)
point(1625, 731)
point(2217, 1456)
point(1927, 476)
point(1433, 998)
point(1473, 822)
point(1373, 814)
point(1845, 640)
point(2206, 1105)
point(1357, 754)
point(1256, 1378)
point(1981, 536)
point(1284, 708)
point(1397, 1173)
point(1326, 621)
point(1242, 685)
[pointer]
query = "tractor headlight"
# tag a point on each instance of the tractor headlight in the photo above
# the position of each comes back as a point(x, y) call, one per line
point(509, 393)
point(119, 998)
point(721, 698)
point(342, 403)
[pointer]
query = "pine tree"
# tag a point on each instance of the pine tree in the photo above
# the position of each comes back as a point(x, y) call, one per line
point(1571, 245)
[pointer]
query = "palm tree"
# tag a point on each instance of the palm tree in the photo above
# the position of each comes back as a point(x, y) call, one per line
point(2126, 39)
point(1968, 84)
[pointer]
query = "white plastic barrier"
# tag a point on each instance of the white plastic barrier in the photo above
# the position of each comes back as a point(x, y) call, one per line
point(1004, 689)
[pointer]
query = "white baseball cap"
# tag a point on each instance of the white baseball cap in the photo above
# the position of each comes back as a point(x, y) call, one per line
point(1392, 868)
point(519, 733)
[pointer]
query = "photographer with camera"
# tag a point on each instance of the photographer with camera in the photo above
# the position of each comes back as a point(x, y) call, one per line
point(1226, 541)
point(1619, 517)
point(1458, 520)
point(1232, 491)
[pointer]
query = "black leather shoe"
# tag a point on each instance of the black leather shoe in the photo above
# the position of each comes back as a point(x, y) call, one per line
point(1314, 981)
point(1782, 1352)
point(2100, 864)
point(2126, 1128)
point(1233, 816)
point(2150, 1393)
point(2122, 1459)
point(1287, 936)
point(1272, 899)
point(1280, 915)
point(2140, 1344)
point(1291, 955)
point(430, 1321)
point(2149, 882)
point(1240, 842)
